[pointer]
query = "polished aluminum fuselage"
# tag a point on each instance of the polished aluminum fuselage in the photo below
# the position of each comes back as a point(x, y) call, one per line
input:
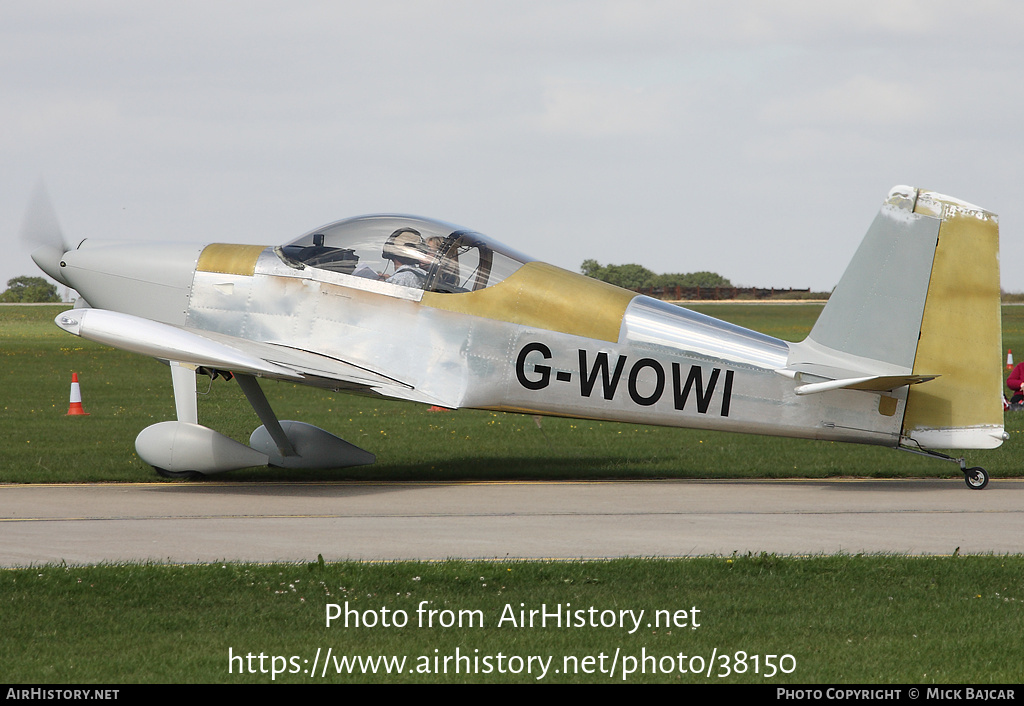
point(668, 365)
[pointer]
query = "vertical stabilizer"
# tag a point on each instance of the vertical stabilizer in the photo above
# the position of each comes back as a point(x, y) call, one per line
point(873, 317)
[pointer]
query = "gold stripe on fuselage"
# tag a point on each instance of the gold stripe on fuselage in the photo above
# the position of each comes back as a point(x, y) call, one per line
point(546, 297)
point(228, 259)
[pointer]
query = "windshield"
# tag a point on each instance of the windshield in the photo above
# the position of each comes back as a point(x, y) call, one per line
point(410, 252)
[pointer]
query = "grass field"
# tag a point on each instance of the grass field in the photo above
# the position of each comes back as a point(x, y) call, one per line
point(843, 619)
point(124, 393)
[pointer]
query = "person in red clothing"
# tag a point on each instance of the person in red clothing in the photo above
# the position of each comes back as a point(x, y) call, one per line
point(1016, 383)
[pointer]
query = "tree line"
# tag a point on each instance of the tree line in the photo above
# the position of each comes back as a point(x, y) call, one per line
point(27, 290)
point(634, 276)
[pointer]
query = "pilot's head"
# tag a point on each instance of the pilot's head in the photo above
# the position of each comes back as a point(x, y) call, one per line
point(406, 246)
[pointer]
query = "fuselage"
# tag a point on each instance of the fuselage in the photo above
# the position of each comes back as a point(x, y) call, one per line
point(542, 340)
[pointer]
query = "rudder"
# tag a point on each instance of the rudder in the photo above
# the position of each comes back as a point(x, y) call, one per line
point(961, 332)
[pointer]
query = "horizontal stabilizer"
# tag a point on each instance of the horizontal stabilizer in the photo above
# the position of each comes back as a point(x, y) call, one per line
point(869, 383)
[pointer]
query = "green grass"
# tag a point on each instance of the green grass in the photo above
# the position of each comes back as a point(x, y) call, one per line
point(124, 393)
point(844, 619)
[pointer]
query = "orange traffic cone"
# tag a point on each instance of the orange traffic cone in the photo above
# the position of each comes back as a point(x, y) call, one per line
point(1009, 359)
point(76, 398)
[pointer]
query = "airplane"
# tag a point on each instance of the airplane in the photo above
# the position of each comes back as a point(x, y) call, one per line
point(906, 353)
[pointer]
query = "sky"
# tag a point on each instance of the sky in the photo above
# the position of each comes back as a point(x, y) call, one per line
point(752, 139)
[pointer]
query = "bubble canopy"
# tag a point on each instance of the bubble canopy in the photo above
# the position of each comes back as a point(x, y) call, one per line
point(407, 250)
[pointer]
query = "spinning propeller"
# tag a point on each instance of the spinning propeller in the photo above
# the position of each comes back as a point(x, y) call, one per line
point(41, 230)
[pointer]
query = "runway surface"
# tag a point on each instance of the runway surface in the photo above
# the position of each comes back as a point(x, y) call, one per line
point(217, 521)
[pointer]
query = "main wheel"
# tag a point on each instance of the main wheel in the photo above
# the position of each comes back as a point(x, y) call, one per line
point(976, 478)
point(178, 475)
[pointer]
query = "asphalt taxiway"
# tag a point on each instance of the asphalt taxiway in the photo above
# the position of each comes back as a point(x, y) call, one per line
point(267, 522)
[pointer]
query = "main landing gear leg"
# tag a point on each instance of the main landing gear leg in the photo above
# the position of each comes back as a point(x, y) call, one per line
point(291, 444)
point(186, 449)
point(254, 393)
point(976, 477)
point(187, 410)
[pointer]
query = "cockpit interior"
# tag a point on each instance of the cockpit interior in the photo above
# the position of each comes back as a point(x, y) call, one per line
point(406, 251)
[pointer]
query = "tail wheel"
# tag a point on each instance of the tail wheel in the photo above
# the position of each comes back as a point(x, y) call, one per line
point(976, 478)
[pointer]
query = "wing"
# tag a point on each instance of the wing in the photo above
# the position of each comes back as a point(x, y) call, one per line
point(218, 351)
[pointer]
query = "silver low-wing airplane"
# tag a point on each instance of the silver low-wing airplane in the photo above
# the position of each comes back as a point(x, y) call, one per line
point(906, 353)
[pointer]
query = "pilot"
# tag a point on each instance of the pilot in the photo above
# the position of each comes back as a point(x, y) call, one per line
point(412, 258)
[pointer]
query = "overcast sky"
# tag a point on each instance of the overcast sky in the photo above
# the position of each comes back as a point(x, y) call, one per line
point(754, 139)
